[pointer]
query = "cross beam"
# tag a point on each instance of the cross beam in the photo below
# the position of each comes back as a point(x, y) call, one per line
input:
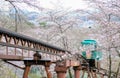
point(16, 40)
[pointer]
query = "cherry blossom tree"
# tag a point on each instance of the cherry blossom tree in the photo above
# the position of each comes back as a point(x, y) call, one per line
point(106, 16)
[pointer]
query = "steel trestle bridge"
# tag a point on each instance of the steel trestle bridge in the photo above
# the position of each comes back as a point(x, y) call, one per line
point(18, 47)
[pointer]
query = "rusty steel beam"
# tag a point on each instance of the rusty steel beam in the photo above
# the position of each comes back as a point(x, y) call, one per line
point(26, 71)
point(37, 62)
point(61, 71)
point(47, 68)
point(26, 41)
point(30, 62)
point(27, 48)
point(77, 72)
point(16, 40)
point(10, 57)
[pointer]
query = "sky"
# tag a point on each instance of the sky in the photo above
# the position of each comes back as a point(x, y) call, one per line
point(73, 4)
point(51, 4)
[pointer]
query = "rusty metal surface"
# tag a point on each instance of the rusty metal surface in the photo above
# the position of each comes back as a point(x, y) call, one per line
point(37, 62)
point(47, 68)
point(18, 41)
point(26, 71)
point(27, 38)
point(61, 71)
point(11, 57)
point(27, 48)
point(77, 73)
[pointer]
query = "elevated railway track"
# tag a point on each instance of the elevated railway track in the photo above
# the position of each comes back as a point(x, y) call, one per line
point(18, 47)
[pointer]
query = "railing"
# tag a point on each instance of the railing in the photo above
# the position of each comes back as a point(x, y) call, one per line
point(25, 46)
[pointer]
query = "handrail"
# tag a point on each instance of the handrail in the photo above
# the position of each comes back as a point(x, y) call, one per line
point(27, 38)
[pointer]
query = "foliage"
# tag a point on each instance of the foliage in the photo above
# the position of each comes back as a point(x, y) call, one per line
point(43, 24)
point(6, 72)
point(33, 75)
point(61, 28)
point(106, 17)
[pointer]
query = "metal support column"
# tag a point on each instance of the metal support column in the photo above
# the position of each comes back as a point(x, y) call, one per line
point(47, 69)
point(77, 71)
point(102, 76)
point(26, 71)
point(61, 71)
